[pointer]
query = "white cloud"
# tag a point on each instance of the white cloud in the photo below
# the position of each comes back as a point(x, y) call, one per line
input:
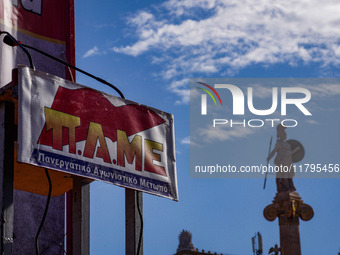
point(185, 140)
point(142, 19)
point(181, 89)
point(188, 6)
point(325, 90)
point(91, 52)
point(262, 91)
point(218, 36)
point(312, 122)
point(223, 133)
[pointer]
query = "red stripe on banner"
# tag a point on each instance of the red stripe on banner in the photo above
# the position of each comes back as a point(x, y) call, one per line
point(40, 18)
point(91, 106)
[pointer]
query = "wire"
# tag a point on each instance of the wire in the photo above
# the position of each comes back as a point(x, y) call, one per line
point(141, 223)
point(45, 212)
point(11, 41)
point(75, 68)
point(21, 47)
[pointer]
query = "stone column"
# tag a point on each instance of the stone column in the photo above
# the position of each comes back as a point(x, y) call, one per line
point(288, 207)
point(289, 235)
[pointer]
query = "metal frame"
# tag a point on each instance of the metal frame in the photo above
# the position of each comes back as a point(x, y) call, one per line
point(7, 138)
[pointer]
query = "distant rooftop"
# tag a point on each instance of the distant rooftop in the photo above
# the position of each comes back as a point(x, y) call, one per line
point(186, 247)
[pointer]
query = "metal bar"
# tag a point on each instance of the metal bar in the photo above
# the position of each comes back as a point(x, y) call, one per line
point(265, 178)
point(69, 219)
point(7, 138)
point(133, 222)
point(81, 216)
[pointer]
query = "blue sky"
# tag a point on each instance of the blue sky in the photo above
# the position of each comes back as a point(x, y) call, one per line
point(150, 50)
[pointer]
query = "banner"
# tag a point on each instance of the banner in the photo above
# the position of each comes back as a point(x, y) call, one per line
point(46, 25)
point(71, 128)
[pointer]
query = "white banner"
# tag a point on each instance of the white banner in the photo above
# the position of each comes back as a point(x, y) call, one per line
point(71, 128)
point(46, 25)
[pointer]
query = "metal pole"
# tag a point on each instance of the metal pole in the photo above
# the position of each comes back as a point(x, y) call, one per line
point(265, 178)
point(133, 222)
point(80, 216)
point(7, 138)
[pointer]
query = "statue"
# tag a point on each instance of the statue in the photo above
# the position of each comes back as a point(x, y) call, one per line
point(275, 250)
point(287, 152)
point(287, 205)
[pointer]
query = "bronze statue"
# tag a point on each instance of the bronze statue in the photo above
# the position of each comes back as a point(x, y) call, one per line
point(275, 250)
point(287, 152)
point(287, 205)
